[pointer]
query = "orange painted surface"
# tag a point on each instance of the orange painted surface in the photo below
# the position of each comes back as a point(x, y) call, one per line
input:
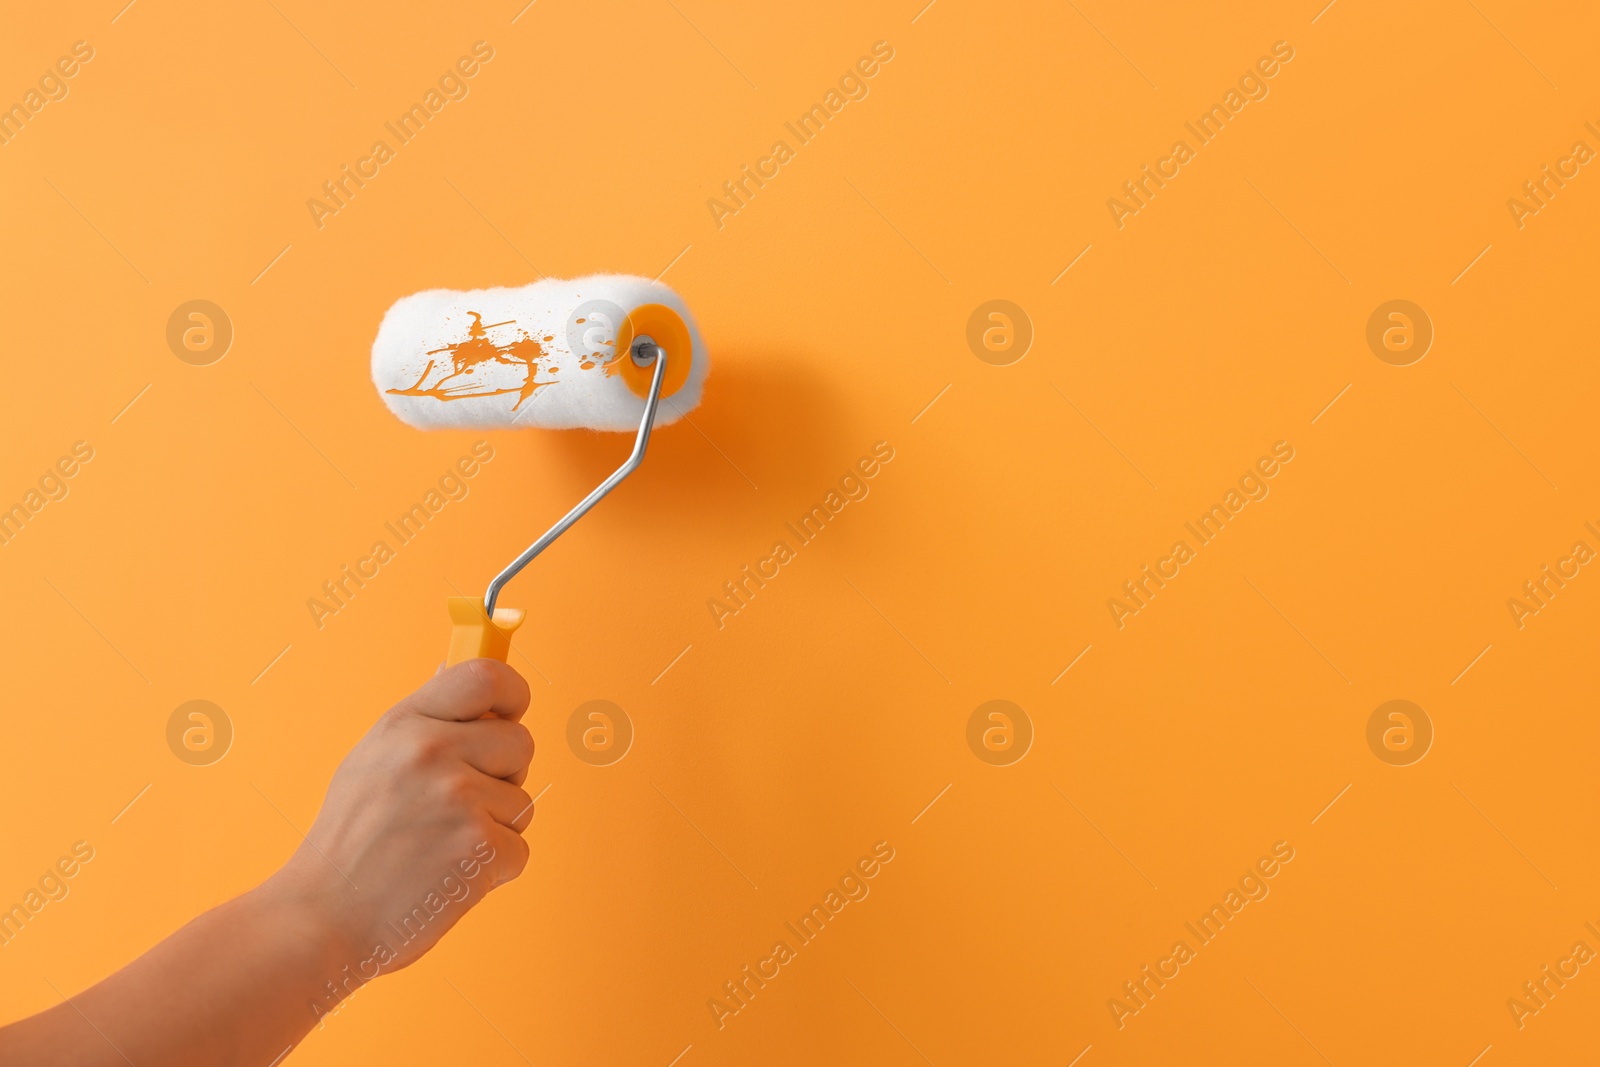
point(806, 600)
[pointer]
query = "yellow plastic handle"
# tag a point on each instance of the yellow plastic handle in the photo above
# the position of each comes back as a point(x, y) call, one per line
point(474, 636)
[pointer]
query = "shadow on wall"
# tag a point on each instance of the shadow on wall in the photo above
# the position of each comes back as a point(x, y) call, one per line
point(764, 416)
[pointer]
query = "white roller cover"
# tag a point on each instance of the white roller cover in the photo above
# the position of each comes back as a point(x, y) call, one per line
point(530, 356)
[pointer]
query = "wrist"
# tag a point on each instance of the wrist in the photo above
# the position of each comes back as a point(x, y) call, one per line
point(312, 917)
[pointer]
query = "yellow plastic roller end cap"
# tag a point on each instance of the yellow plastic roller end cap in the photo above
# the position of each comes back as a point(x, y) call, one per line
point(474, 636)
point(662, 325)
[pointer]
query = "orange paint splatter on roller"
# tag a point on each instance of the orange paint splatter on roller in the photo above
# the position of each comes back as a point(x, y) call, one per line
point(466, 357)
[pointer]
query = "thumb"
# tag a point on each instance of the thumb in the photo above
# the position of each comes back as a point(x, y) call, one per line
point(470, 690)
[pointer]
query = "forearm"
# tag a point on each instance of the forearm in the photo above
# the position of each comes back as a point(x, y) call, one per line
point(235, 986)
point(425, 816)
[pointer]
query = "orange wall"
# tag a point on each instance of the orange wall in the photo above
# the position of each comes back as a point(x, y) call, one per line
point(1186, 341)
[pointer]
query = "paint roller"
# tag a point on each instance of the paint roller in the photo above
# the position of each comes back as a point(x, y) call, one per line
point(598, 353)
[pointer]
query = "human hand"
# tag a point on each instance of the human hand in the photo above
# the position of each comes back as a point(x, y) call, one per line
point(421, 820)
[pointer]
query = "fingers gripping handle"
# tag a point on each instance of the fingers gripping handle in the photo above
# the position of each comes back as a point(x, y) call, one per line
point(474, 636)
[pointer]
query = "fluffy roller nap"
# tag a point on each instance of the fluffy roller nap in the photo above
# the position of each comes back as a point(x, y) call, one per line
point(539, 355)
